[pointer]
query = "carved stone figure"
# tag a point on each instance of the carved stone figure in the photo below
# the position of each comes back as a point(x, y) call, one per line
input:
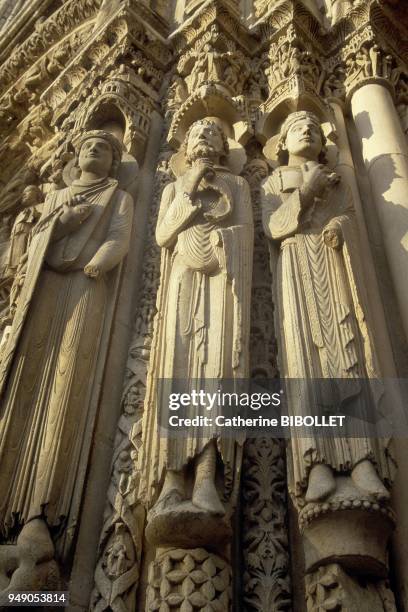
point(336, 9)
point(49, 361)
point(322, 313)
point(23, 224)
point(205, 231)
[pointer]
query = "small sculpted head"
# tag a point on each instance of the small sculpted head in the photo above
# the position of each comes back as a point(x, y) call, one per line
point(301, 137)
point(31, 196)
point(205, 140)
point(99, 153)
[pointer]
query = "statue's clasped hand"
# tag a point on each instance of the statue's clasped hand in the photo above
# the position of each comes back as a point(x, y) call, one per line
point(194, 176)
point(216, 238)
point(92, 271)
point(317, 180)
point(333, 237)
point(75, 214)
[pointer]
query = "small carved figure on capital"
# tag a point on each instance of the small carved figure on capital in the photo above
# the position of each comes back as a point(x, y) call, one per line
point(23, 224)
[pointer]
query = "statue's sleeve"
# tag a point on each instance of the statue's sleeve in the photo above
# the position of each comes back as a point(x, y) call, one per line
point(116, 245)
point(176, 211)
point(280, 216)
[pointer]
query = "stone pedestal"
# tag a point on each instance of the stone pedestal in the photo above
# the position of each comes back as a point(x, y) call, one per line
point(356, 538)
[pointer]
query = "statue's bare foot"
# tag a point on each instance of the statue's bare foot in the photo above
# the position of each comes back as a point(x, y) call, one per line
point(366, 478)
point(321, 483)
point(170, 500)
point(172, 494)
point(205, 497)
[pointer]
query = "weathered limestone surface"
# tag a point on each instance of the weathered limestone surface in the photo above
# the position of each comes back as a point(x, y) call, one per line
point(201, 190)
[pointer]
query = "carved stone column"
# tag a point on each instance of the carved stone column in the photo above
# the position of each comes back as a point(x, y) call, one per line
point(385, 154)
point(346, 169)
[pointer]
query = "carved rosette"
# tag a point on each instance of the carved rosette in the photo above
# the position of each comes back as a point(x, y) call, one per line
point(188, 580)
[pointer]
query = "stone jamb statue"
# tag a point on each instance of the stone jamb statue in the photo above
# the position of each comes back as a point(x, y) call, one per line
point(205, 230)
point(321, 309)
point(50, 361)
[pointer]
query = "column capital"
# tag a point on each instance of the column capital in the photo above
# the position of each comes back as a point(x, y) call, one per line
point(366, 60)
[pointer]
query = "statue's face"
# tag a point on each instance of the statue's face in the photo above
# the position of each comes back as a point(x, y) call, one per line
point(304, 138)
point(30, 196)
point(96, 156)
point(205, 140)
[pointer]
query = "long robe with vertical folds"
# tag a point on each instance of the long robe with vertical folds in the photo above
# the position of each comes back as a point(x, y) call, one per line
point(322, 320)
point(202, 324)
point(48, 366)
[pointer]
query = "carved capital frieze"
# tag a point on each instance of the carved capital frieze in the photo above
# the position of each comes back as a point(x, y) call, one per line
point(366, 59)
point(124, 41)
point(47, 33)
point(211, 13)
point(214, 58)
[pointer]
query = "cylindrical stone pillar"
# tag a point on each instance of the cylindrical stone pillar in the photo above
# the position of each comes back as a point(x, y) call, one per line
point(385, 154)
point(345, 167)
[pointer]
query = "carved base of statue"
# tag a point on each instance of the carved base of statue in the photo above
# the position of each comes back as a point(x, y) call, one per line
point(177, 520)
point(351, 528)
point(29, 565)
point(322, 482)
point(184, 525)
